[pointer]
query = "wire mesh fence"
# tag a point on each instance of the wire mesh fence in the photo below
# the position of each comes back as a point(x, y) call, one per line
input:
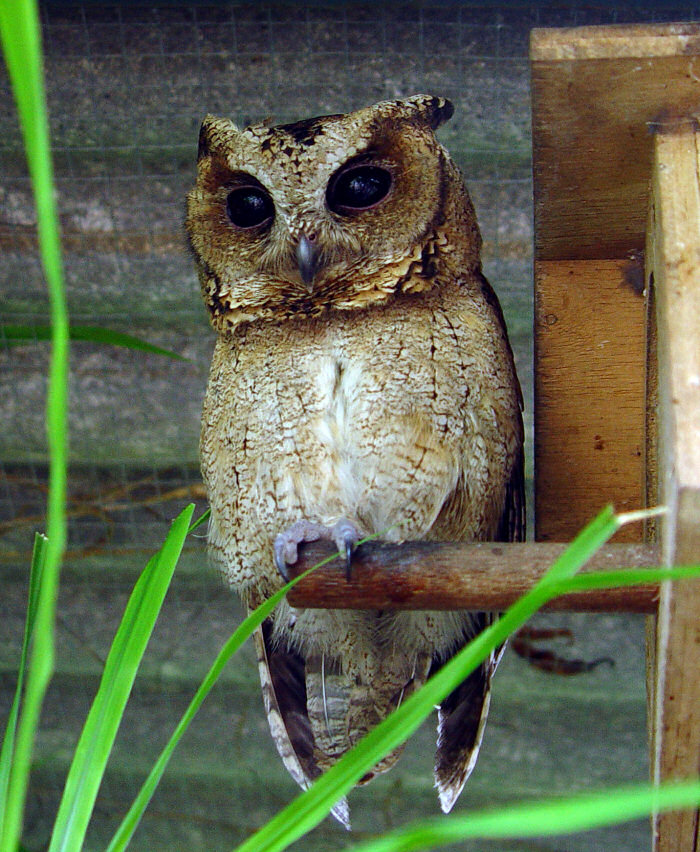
point(127, 87)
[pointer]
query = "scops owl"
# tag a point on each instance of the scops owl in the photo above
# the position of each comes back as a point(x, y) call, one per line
point(362, 383)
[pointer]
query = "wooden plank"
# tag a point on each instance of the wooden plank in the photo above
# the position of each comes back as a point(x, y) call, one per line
point(596, 93)
point(675, 232)
point(449, 575)
point(633, 41)
point(589, 394)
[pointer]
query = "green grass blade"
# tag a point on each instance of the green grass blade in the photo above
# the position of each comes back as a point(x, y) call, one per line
point(626, 577)
point(203, 518)
point(36, 573)
point(128, 825)
point(8, 742)
point(554, 816)
point(21, 44)
point(308, 809)
point(86, 334)
point(97, 737)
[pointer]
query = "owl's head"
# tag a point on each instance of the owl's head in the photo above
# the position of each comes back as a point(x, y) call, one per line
point(335, 212)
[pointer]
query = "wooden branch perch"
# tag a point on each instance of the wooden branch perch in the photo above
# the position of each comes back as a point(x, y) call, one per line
point(446, 575)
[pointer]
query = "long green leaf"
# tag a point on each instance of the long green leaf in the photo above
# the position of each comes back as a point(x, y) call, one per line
point(627, 577)
point(128, 825)
point(203, 518)
point(21, 43)
point(554, 816)
point(8, 742)
point(85, 333)
point(123, 660)
point(308, 809)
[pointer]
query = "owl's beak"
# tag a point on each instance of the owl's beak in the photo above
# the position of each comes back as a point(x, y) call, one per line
point(307, 258)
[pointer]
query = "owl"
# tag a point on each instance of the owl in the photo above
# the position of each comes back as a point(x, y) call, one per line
point(362, 383)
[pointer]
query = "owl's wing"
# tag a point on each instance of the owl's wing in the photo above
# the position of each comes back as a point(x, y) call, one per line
point(461, 721)
point(512, 523)
point(462, 715)
point(282, 676)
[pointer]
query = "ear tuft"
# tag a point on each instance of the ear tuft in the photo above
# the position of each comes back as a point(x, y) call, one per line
point(212, 132)
point(433, 110)
point(203, 144)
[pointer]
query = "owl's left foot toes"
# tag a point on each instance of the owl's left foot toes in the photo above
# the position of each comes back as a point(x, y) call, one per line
point(287, 542)
point(344, 533)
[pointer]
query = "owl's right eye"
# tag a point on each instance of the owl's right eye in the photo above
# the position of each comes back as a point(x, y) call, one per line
point(249, 207)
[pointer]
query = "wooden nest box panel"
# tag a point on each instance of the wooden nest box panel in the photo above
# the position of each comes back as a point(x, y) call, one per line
point(616, 116)
point(603, 98)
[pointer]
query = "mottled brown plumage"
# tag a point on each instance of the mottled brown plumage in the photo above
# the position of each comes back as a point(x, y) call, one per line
point(362, 375)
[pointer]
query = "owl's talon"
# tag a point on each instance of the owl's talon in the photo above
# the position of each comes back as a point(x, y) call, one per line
point(345, 535)
point(286, 543)
point(281, 564)
point(348, 561)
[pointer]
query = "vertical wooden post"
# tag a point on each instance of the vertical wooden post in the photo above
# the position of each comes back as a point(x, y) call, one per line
point(674, 262)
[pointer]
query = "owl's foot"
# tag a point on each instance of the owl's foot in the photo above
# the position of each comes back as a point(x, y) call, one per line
point(344, 533)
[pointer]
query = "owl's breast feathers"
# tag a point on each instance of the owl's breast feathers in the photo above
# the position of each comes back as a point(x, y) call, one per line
point(364, 282)
point(405, 412)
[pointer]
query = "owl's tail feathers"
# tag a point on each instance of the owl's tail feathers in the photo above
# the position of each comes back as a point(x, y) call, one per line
point(341, 711)
point(461, 722)
point(343, 708)
point(284, 693)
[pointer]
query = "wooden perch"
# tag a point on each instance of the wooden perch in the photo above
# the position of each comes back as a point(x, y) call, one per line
point(446, 575)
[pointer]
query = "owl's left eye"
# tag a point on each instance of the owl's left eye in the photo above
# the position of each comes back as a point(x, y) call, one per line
point(357, 187)
point(249, 207)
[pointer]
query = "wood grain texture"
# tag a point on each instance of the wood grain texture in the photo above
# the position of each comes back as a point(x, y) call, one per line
point(675, 232)
point(596, 94)
point(589, 394)
point(450, 576)
point(635, 41)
